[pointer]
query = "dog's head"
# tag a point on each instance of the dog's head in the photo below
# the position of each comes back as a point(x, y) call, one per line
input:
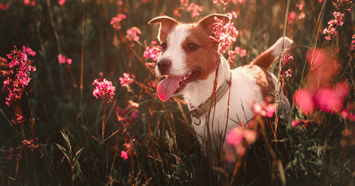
point(188, 53)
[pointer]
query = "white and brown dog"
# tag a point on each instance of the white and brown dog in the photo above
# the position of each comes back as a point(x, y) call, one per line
point(189, 62)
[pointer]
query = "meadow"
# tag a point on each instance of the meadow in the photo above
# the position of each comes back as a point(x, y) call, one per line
point(78, 103)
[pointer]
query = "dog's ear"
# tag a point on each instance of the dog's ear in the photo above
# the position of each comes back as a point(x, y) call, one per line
point(208, 21)
point(166, 24)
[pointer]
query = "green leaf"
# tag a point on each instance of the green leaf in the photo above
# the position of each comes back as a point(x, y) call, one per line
point(65, 152)
point(66, 138)
point(77, 155)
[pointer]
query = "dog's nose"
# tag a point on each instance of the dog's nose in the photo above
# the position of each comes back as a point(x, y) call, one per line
point(164, 66)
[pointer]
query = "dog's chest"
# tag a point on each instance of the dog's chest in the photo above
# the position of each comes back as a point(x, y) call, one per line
point(242, 94)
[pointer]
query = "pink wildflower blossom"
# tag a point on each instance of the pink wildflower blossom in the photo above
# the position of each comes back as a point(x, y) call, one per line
point(291, 17)
point(264, 109)
point(226, 34)
point(238, 1)
point(331, 100)
point(103, 89)
point(236, 137)
point(4, 6)
point(285, 58)
point(303, 100)
point(11, 154)
point(29, 2)
point(127, 80)
point(348, 114)
point(19, 70)
point(124, 155)
point(61, 2)
point(333, 24)
point(28, 51)
point(226, 2)
point(116, 21)
point(289, 73)
point(62, 59)
point(31, 144)
point(232, 54)
point(300, 6)
point(152, 52)
point(132, 34)
point(299, 122)
point(194, 9)
point(352, 46)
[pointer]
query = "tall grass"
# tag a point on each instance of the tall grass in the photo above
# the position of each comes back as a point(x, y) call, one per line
point(68, 137)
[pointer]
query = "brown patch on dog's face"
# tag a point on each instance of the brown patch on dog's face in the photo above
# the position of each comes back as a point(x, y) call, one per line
point(263, 79)
point(200, 51)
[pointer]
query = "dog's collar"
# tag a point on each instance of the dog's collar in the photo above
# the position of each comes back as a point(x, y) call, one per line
point(207, 105)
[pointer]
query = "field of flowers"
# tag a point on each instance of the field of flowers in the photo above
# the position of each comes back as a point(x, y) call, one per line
point(78, 103)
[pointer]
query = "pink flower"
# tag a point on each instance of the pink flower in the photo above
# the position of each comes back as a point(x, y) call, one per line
point(132, 34)
point(224, 2)
point(289, 73)
point(28, 51)
point(61, 2)
point(303, 100)
point(195, 9)
point(127, 80)
point(124, 155)
point(232, 54)
point(296, 123)
point(152, 52)
point(285, 58)
point(62, 59)
point(352, 47)
point(116, 21)
point(250, 136)
point(291, 17)
point(226, 34)
point(29, 2)
point(332, 25)
point(4, 6)
point(301, 5)
point(237, 135)
point(264, 110)
point(135, 113)
point(103, 89)
point(328, 100)
point(16, 74)
point(19, 118)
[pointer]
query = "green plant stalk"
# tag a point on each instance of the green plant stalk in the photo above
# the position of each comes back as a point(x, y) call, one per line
point(82, 68)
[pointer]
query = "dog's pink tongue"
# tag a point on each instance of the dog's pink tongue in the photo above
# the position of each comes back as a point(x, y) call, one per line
point(167, 87)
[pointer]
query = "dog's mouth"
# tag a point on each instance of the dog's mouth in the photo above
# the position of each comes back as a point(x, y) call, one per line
point(174, 84)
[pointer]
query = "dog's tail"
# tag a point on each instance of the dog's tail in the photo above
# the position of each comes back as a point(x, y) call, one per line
point(265, 59)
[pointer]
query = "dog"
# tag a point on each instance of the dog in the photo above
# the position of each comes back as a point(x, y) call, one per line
point(190, 63)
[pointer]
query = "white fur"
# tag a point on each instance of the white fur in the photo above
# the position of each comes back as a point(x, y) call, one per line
point(277, 48)
point(175, 52)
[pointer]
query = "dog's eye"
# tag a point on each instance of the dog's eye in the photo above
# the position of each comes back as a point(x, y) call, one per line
point(164, 46)
point(192, 47)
